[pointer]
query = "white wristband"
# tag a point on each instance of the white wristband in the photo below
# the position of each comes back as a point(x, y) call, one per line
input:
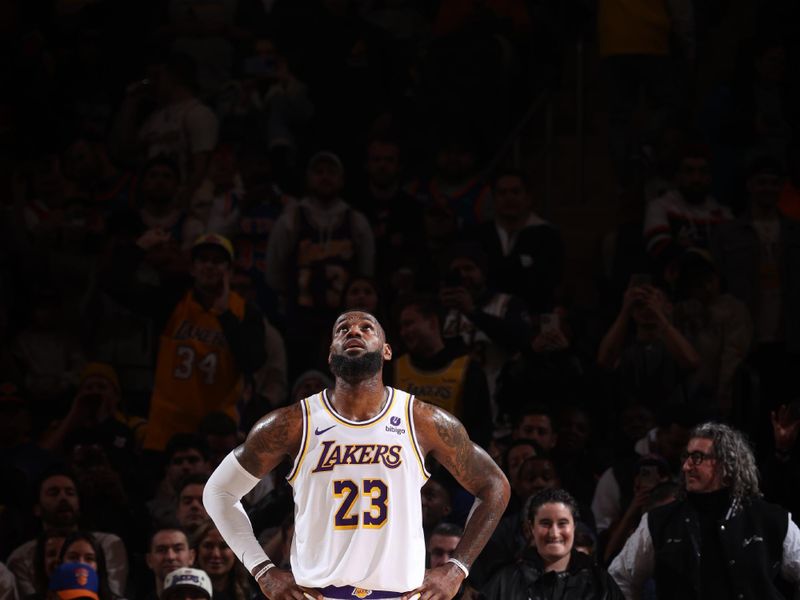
point(263, 570)
point(460, 565)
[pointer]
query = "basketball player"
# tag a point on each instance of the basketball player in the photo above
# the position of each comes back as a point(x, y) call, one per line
point(358, 453)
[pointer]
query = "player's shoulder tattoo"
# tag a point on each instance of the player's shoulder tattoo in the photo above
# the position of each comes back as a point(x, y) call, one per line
point(278, 432)
point(453, 448)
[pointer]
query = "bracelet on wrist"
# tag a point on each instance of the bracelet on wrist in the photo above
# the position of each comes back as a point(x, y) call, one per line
point(460, 565)
point(263, 570)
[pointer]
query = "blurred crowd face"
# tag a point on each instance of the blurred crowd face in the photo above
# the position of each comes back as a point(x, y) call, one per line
point(573, 432)
point(81, 551)
point(58, 502)
point(82, 162)
point(185, 462)
point(191, 512)
point(169, 550)
point(214, 556)
point(537, 473)
point(209, 266)
point(441, 548)
point(308, 387)
point(159, 185)
point(383, 164)
point(325, 179)
point(553, 531)
point(96, 384)
point(765, 189)
point(636, 421)
point(511, 199)
point(362, 295)
point(516, 456)
point(417, 331)
point(454, 162)
point(538, 428)
point(435, 503)
point(471, 275)
point(671, 442)
point(694, 178)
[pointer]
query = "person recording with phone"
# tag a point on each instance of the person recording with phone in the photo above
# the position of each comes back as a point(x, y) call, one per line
point(97, 406)
point(651, 359)
point(652, 474)
point(493, 326)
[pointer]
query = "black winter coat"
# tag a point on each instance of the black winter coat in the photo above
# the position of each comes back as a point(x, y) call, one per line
point(527, 580)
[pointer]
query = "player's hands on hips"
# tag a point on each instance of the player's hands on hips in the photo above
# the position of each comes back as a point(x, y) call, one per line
point(279, 584)
point(441, 583)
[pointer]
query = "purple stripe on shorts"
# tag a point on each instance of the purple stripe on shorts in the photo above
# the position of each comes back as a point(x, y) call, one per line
point(346, 592)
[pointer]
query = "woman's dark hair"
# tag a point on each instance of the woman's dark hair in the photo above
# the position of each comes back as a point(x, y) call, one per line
point(238, 584)
point(103, 590)
point(551, 496)
point(40, 579)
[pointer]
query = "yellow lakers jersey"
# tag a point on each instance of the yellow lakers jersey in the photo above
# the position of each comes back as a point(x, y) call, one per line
point(358, 513)
point(443, 388)
point(196, 372)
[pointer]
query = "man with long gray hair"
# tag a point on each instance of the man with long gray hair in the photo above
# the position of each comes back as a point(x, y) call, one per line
point(719, 539)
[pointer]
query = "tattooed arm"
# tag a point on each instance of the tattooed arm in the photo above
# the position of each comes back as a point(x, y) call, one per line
point(442, 436)
point(276, 436)
point(272, 439)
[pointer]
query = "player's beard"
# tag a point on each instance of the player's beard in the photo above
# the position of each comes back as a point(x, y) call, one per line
point(356, 368)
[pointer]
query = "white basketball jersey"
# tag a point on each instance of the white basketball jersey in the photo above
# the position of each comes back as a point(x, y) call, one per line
point(358, 513)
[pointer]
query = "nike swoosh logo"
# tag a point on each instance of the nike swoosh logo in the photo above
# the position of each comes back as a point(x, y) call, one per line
point(318, 432)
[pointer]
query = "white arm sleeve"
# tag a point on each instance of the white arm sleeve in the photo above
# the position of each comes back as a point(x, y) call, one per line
point(636, 563)
point(222, 499)
point(790, 562)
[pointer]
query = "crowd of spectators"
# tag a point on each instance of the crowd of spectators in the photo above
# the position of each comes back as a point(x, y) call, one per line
point(195, 189)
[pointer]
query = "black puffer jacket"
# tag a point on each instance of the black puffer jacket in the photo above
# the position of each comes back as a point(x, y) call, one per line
point(527, 580)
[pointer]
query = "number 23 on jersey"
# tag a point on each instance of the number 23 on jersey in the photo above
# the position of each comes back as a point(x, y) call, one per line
point(348, 490)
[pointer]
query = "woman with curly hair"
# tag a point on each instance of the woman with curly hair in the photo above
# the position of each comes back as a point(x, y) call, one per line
point(229, 579)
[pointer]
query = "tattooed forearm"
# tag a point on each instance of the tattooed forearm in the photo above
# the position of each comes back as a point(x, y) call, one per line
point(449, 443)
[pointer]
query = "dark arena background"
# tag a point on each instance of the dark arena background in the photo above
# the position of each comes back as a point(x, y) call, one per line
point(578, 222)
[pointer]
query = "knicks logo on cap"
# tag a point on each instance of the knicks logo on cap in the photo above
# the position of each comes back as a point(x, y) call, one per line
point(82, 576)
point(361, 592)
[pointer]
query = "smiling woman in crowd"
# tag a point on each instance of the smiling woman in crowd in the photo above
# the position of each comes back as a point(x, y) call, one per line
point(229, 579)
point(550, 567)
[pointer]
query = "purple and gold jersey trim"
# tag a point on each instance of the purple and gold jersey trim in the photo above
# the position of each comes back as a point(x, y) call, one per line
point(413, 432)
point(347, 422)
point(303, 442)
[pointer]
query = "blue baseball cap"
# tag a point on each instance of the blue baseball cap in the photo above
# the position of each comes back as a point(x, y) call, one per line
point(74, 580)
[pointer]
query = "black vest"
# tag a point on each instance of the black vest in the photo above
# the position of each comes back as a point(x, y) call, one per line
point(751, 540)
